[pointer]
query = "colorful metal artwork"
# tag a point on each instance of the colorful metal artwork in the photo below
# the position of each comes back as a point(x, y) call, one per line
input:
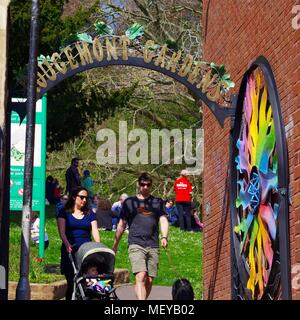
point(257, 199)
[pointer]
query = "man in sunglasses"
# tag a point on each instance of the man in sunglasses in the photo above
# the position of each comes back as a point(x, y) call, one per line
point(143, 213)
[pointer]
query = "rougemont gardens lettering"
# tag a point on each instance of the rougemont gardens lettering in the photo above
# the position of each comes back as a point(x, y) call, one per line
point(84, 53)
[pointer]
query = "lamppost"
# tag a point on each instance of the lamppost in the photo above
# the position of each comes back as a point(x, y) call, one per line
point(23, 288)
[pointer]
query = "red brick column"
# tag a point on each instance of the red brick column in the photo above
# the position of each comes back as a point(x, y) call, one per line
point(235, 34)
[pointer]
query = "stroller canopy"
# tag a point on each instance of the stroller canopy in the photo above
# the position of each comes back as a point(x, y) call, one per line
point(96, 253)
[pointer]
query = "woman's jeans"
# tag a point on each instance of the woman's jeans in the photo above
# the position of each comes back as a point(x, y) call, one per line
point(68, 271)
point(184, 213)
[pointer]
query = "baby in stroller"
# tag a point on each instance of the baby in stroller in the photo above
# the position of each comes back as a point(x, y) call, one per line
point(94, 272)
point(95, 281)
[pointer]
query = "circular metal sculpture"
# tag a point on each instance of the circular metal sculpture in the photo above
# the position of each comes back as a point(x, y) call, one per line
point(257, 201)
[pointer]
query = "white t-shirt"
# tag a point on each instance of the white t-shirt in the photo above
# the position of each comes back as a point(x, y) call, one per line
point(35, 231)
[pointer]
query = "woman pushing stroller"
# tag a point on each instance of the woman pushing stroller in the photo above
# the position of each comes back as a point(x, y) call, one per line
point(76, 224)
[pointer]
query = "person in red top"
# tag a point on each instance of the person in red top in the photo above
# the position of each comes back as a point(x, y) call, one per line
point(183, 189)
point(56, 191)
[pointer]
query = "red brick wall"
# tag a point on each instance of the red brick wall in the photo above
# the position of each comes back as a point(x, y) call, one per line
point(235, 33)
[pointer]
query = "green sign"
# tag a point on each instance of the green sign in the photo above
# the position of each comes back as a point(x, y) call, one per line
point(17, 157)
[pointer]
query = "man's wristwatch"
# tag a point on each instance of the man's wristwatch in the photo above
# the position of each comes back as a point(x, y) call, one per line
point(165, 238)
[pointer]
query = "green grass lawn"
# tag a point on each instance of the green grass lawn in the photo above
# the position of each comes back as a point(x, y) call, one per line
point(185, 254)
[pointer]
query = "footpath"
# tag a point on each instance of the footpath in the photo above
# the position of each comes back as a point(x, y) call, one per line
point(126, 292)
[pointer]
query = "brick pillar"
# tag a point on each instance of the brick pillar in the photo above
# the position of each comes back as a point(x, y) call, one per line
point(235, 34)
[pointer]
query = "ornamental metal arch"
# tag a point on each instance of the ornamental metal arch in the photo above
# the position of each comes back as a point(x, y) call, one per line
point(259, 190)
point(208, 82)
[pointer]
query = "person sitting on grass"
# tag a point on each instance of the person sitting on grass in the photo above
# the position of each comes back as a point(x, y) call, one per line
point(197, 225)
point(35, 230)
point(116, 209)
point(172, 212)
point(104, 214)
point(60, 205)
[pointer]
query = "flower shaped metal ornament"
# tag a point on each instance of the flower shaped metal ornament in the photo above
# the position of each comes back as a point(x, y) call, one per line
point(257, 193)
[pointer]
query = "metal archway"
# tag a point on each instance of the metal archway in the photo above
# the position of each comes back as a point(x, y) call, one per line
point(220, 112)
point(259, 190)
point(198, 77)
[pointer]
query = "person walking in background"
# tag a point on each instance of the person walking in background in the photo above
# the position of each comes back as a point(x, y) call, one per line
point(76, 224)
point(72, 176)
point(94, 203)
point(88, 183)
point(116, 209)
point(143, 213)
point(183, 189)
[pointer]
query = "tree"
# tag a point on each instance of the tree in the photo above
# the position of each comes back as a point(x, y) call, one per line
point(175, 22)
point(70, 106)
point(53, 29)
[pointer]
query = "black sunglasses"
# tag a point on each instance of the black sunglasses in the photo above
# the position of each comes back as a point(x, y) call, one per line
point(82, 197)
point(145, 184)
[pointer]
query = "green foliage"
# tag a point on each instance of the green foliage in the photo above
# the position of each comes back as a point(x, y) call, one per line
point(71, 109)
point(53, 28)
point(112, 180)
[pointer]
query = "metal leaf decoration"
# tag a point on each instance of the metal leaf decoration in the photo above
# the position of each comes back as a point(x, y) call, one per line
point(103, 29)
point(84, 37)
point(41, 58)
point(135, 31)
point(77, 37)
point(224, 76)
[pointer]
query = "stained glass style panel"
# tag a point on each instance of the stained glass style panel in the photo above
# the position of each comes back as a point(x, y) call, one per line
point(257, 201)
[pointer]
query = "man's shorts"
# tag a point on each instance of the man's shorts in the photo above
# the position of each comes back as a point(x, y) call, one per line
point(144, 259)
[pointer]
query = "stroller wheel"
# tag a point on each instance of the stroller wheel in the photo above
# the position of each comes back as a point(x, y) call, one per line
point(113, 295)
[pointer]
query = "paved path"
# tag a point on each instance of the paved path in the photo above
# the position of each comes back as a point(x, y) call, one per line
point(126, 292)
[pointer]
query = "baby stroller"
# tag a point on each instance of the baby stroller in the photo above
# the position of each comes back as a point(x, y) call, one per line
point(95, 286)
